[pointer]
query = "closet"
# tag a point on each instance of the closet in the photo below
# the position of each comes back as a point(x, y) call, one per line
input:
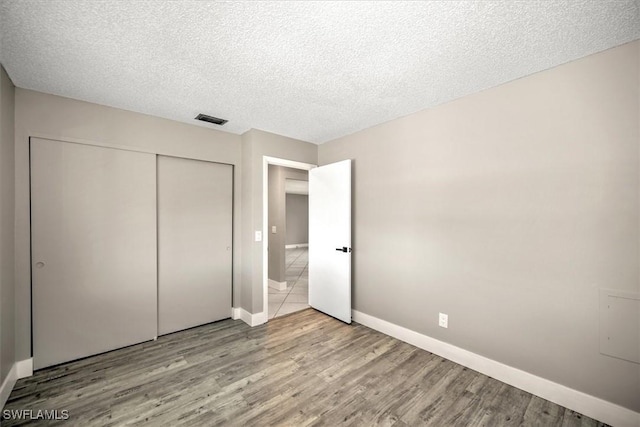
point(194, 242)
point(125, 246)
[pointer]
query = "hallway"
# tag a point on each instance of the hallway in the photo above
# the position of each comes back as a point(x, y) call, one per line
point(296, 296)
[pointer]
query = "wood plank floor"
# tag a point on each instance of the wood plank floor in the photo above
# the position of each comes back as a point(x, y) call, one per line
point(302, 369)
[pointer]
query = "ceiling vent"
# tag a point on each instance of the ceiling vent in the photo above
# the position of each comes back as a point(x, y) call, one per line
point(211, 119)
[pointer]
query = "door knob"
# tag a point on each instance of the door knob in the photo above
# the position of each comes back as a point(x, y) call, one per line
point(39, 264)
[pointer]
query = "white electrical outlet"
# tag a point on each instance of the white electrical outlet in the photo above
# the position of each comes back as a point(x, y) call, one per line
point(443, 320)
point(258, 236)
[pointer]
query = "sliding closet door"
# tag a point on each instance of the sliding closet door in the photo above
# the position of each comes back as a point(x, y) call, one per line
point(194, 242)
point(93, 224)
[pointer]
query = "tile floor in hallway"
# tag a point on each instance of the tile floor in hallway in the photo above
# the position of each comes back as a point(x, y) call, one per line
point(296, 296)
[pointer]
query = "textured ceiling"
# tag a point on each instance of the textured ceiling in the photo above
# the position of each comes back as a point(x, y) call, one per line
point(309, 70)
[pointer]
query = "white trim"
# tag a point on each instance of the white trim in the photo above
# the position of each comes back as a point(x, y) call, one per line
point(259, 318)
point(266, 161)
point(20, 369)
point(24, 368)
point(578, 401)
point(248, 318)
point(279, 286)
point(297, 245)
point(7, 386)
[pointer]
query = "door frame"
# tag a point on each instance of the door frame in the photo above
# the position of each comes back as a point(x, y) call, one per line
point(266, 161)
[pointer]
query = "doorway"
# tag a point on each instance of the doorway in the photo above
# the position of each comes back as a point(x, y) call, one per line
point(288, 236)
point(285, 270)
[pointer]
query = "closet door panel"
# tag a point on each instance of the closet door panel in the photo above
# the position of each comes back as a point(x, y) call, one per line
point(195, 208)
point(94, 272)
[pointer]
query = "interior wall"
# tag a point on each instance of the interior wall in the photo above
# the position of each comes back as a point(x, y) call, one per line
point(277, 217)
point(255, 145)
point(7, 209)
point(275, 272)
point(508, 210)
point(297, 219)
point(54, 117)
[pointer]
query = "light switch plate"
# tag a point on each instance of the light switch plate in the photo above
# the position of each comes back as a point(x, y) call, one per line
point(273, 229)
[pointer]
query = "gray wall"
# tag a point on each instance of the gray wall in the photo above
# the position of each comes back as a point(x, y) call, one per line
point(277, 217)
point(297, 219)
point(7, 209)
point(508, 210)
point(55, 117)
point(255, 145)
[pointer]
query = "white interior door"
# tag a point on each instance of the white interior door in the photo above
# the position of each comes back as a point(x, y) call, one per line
point(330, 239)
point(93, 231)
point(195, 225)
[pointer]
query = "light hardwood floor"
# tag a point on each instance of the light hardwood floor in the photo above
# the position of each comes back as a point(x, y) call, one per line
point(302, 369)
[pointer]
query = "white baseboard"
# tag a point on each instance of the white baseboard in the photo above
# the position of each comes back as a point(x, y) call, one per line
point(7, 385)
point(578, 401)
point(259, 318)
point(24, 368)
point(279, 286)
point(297, 245)
point(20, 369)
point(248, 318)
